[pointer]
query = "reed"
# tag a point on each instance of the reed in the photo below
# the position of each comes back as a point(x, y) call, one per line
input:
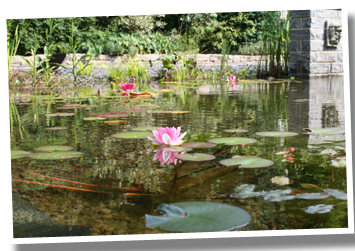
point(13, 43)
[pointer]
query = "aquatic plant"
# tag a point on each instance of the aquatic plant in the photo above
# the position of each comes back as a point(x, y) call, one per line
point(128, 87)
point(13, 44)
point(168, 136)
point(198, 216)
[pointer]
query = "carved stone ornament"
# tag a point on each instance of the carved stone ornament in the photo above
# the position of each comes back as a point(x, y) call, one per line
point(333, 33)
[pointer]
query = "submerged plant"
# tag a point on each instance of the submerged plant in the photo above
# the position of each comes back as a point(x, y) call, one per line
point(168, 136)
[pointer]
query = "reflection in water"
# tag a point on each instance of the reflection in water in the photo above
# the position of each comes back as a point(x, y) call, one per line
point(127, 180)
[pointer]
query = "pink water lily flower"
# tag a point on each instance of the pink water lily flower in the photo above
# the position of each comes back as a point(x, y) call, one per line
point(232, 80)
point(167, 136)
point(128, 87)
point(165, 157)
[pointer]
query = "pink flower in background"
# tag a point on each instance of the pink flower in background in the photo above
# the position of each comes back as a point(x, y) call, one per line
point(232, 80)
point(128, 87)
point(165, 157)
point(167, 136)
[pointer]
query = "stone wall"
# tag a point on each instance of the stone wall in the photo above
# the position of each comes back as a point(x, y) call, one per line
point(314, 46)
point(202, 59)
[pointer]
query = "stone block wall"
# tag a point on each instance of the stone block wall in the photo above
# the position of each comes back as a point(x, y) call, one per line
point(314, 49)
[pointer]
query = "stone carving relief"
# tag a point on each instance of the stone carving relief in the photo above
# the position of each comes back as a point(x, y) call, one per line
point(333, 33)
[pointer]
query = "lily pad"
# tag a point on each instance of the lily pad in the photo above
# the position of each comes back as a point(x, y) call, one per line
point(324, 130)
point(50, 149)
point(197, 216)
point(134, 110)
point(17, 154)
point(319, 209)
point(145, 128)
point(94, 118)
point(174, 112)
point(110, 114)
point(276, 134)
point(278, 195)
point(312, 196)
point(60, 114)
point(339, 162)
point(236, 130)
point(195, 157)
point(199, 144)
point(336, 193)
point(246, 191)
point(116, 122)
point(231, 141)
point(56, 155)
point(133, 135)
point(177, 149)
point(247, 162)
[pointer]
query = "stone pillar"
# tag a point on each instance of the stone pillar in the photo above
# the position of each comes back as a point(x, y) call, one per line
point(315, 43)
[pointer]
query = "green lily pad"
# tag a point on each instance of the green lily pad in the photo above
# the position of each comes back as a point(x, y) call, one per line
point(199, 144)
point(336, 193)
point(17, 154)
point(177, 149)
point(276, 134)
point(133, 135)
point(93, 118)
point(60, 114)
point(231, 141)
point(50, 149)
point(324, 130)
point(198, 216)
point(195, 157)
point(319, 209)
point(56, 155)
point(312, 196)
point(145, 128)
point(236, 130)
point(339, 162)
point(247, 162)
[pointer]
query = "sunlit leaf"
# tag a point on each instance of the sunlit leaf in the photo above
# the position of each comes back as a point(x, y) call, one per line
point(195, 157)
point(247, 162)
point(116, 122)
point(236, 130)
point(199, 144)
point(233, 141)
point(312, 196)
point(336, 193)
point(52, 148)
point(276, 134)
point(280, 180)
point(319, 209)
point(17, 154)
point(324, 130)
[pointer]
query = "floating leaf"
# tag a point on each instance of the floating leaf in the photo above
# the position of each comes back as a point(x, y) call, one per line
point(140, 94)
point(116, 122)
point(280, 180)
point(328, 152)
point(324, 130)
point(246, 191)
point(278, 195)
point(339, 162)
point(94, 118)
point(236, 130)
point(133, 135)
point(320, 209)
point(177, 149)
point(145, 128)
point(50, 149)
point(133, 110)
point(312, 196)
point(276, 134)
point(195, 157)
point(17, 154)
point(110, 114)
point(199, 144)
point(247, 162)
point(77, 106)
point(336, 193)
point(231, 141)
point(56, 128)
point(198, 217)
point(56, 155)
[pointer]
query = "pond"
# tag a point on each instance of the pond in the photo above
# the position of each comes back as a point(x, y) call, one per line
point(109, 182)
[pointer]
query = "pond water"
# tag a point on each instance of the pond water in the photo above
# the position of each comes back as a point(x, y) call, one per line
point(115, 182)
